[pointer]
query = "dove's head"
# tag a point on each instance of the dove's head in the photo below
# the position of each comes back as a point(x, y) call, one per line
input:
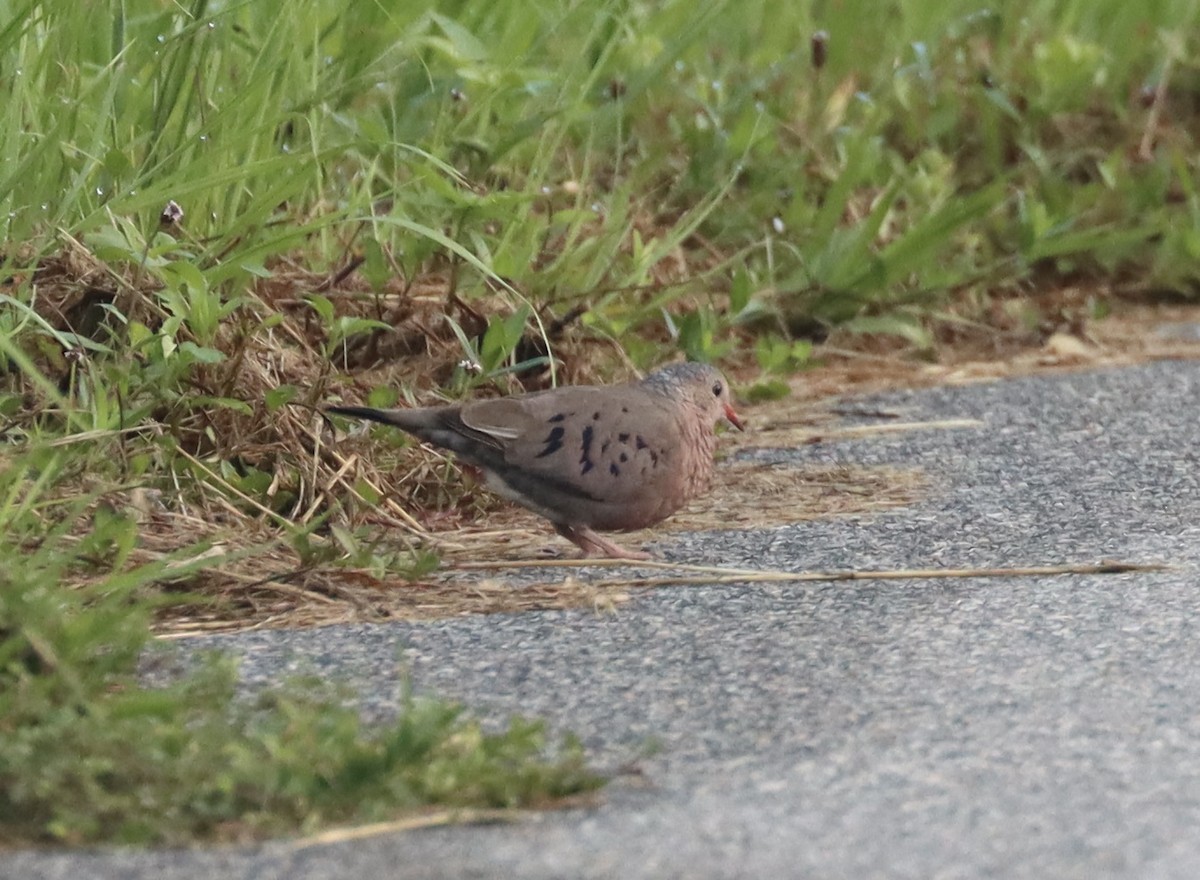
point(699, 384)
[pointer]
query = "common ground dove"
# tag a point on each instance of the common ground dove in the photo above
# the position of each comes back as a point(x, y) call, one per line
point(586, 458)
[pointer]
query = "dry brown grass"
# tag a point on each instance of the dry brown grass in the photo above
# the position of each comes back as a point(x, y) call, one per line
point(271, 590)
point(412, 498)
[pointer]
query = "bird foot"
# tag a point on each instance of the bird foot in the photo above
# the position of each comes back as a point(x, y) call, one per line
point(593, 544)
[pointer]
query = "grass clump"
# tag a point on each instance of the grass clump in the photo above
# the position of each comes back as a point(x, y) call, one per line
point(87, 753)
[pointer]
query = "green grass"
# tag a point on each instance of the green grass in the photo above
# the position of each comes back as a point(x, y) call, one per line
point(87, 753)
point(372, 192)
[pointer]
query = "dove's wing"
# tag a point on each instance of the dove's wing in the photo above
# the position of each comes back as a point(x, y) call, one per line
point(609, 458)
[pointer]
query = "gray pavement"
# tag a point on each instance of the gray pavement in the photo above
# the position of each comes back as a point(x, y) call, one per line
point(1012, 728)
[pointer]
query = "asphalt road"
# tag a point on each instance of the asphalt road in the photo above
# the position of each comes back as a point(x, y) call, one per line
point(1010, 728)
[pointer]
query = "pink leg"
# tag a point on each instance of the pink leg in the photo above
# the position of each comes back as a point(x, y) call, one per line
point(593, 544)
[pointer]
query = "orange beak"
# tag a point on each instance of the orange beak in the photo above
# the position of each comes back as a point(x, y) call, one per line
point(733, 418)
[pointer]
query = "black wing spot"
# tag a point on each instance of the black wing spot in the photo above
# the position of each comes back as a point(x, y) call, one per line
point(585, 454)
point(604, 447)
point(557, 418)
point(623, 438)
point(640, 443)
point(553, 441)
point(624, 458)
point(624, 409)
point(653, 458)
point(614, 470)
point(595, 417)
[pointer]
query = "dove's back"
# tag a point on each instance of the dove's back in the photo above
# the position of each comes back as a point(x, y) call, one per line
point(612, 459)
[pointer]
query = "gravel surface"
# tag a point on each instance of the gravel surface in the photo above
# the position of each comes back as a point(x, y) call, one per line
point(1025, 727)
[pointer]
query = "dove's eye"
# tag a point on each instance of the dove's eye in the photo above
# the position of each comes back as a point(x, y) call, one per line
point(717, 389)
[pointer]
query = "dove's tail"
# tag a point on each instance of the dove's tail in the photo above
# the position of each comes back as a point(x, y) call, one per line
point(406, 419)
point(439, 425)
